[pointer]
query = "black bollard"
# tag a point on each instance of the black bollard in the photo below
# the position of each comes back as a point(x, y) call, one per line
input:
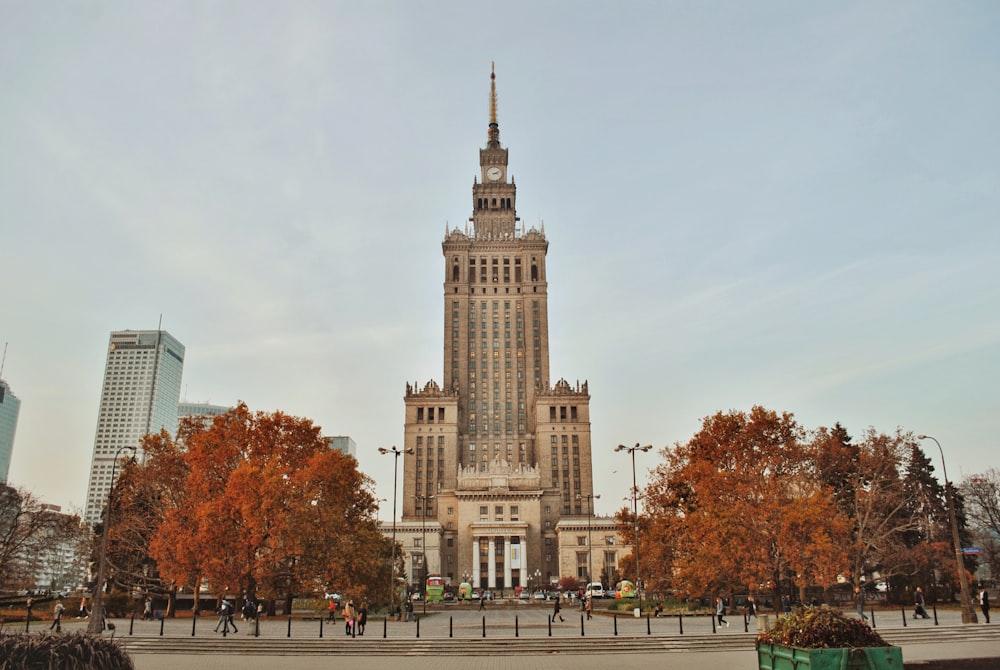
point(902, 610)
point(451, 621)
point(873, 618)
point(516, 629)
point(616, 625)
point(484, 625)
point(289, 625)
point(680, 623)
point(194, 621)
point(935, 614)
point(582, 633)
point(131, 624)
point(549, 619)
point(418, 627)
point(713, 624)
point(321, 628)
point(162, 619)
point(385, 627)
point(256, 626)
point(649, 630)
point(746, 624)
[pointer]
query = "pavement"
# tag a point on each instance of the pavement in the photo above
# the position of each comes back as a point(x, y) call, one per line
point(723, 649)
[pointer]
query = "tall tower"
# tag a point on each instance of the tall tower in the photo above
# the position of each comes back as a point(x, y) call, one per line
point(141, 392)
point(10, 407)
point(499, 454)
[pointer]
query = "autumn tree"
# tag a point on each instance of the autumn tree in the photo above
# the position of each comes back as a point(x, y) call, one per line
point(740, 506)
point(268, 509)
point(981, 493)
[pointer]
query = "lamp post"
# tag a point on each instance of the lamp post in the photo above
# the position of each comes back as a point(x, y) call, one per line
point(396, 453)
point(423, 541)
point(96, 622)
point(537, 575)
point(635, 511)
point(590, 540)
point(968, 612)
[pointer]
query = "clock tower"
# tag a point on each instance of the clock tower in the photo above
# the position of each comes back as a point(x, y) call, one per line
point(496, 455)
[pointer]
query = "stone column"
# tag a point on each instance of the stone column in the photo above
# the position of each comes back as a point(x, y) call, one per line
point(491, 573)
point(475, 562)
point(507, 576)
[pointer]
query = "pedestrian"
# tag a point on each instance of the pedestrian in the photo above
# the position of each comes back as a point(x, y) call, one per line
point(332, 611)
point(557, 611)
point(751, 607)
point(57, 613)
point(147, 609)
point(83, 607)
point(28, 603)
point(786, 604)
point(225, 617)
point(590, 607)
point(859, 602)
point(362, 618)
point(984, 603)
point(720, 611)
point(249, 610)
point(409, 609)
point(919, 608)
point(349, 613)
point(482, 601)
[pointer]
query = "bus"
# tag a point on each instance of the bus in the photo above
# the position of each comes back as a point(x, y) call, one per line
point(434, 588)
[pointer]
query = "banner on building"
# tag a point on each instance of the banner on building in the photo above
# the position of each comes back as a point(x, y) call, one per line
point(515, 557)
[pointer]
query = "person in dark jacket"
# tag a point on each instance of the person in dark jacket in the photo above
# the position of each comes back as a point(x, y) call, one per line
point(984, 604)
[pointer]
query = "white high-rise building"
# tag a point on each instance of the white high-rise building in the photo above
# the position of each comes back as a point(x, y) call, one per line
point(140, 395)
point(10, 406)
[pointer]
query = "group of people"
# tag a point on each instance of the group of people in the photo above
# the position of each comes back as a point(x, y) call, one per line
point(355, 617)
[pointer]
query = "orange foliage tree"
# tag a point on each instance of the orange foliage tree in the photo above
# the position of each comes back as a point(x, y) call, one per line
point(261, 506)
point(739, 507)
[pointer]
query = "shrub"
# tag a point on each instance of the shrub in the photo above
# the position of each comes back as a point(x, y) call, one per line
point(821, 628)
point(78, 651)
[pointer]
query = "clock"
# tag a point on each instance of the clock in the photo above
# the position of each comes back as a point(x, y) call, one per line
point(494, 173)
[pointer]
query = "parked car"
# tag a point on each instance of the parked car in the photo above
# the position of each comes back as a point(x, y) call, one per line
point(538, 595)
point(448, 596)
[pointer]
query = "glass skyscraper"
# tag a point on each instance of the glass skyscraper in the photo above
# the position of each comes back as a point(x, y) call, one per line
point(140, 395)
point(9, 408)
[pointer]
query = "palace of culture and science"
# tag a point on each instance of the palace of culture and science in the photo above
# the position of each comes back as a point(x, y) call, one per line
point(498, 483)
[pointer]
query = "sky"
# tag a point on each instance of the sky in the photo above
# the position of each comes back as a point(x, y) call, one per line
point(787, 204)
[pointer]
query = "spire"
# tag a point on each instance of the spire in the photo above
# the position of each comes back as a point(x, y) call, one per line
point(494, 135)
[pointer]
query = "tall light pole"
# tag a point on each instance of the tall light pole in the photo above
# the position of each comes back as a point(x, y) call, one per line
point(96, 622)
point(635, 511)
point(968, 612)
point(423, 541)
point(396, 453)
point(590, 540)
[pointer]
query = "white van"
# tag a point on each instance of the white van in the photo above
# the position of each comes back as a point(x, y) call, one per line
point(595, 590)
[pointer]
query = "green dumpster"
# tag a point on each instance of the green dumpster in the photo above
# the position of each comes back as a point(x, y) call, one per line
point(780, 657)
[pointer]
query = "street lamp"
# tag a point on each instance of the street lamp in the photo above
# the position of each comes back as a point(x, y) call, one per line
point(968, 612)
point(635, 511)
point(590, 540)
point(96, 622)
point(423, 540)
point(395, 476)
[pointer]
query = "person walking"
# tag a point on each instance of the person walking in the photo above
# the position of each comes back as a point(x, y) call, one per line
point(83, 608)
point(859, 602)
point(57, 613)
point(226, 617)
point(589, 607)
point(984, 603)
point(919, 608)
point(332, 611)
point(349, 613)
point(557, 610)
point(751, 608)
point(362, 618)
point(147, 609)
point(720, 611)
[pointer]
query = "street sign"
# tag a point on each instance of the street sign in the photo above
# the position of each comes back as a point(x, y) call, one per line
point(970, 550)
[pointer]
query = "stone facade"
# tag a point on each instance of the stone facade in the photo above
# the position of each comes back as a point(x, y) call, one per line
point(497, 458)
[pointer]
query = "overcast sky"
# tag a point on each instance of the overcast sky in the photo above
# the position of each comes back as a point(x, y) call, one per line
point(791, 204)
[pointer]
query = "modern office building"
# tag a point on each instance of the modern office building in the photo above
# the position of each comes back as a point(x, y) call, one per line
point(10, 406)
point(140, 395)
point(202, 409)
point(343, 443)
point(500, 454)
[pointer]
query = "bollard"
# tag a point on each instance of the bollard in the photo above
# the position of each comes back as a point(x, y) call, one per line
point(549, 619)
point(713, 624)
point(746, 624)
point(516, 629)
point(581, 626)
point(873, 618)
point(194, 620)
point(162, 619)
point(225, 628)
point(385, 627)
point(451, 620)
point(321, 628)
point(935, 614)
point(289, 625)
point(131, 624)
point(256, 626)
point(680, 623)
point(418, 627)
point(616, 625)
point(902, 610)
point(484, 625)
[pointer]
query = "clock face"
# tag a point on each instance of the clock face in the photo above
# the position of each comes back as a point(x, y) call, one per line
point(494, 173)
